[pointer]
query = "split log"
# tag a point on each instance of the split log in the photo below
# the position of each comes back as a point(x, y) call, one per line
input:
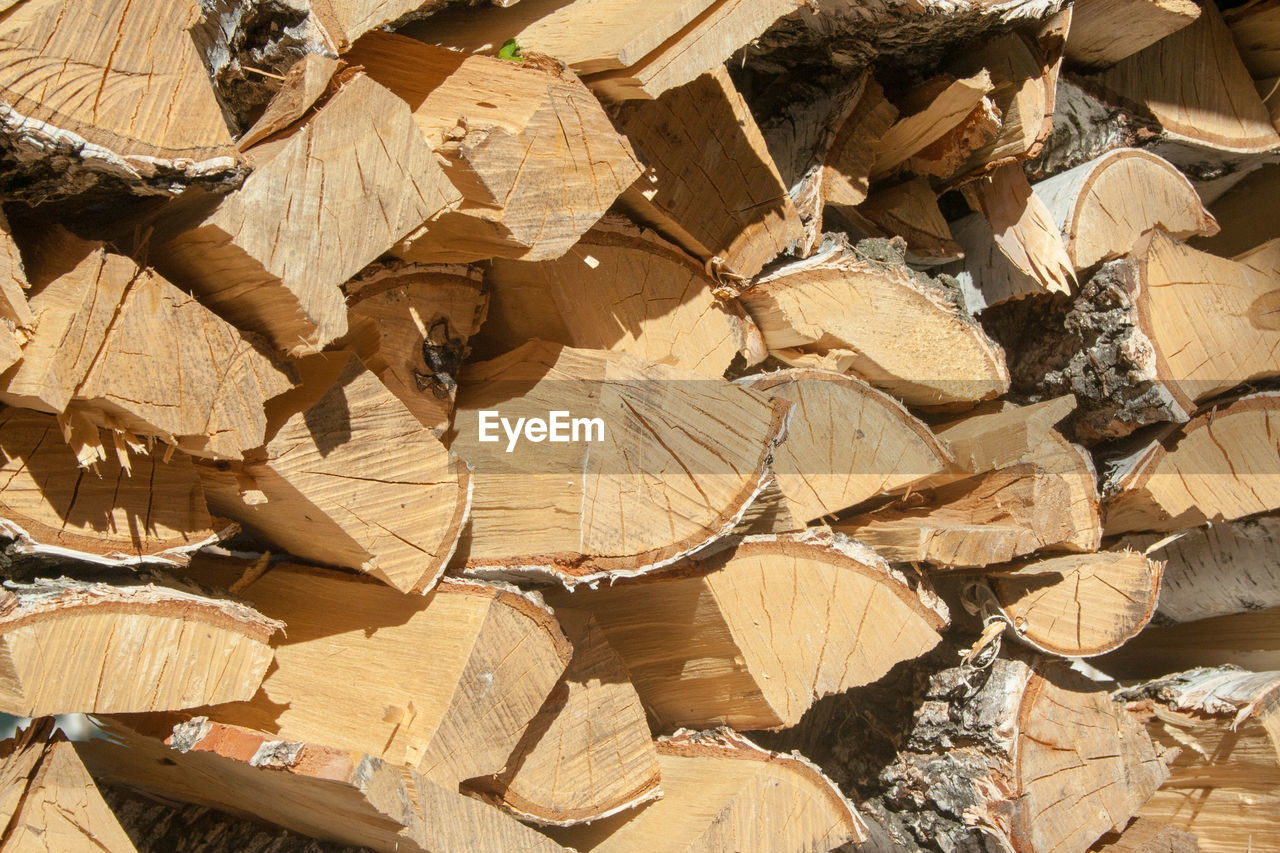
point(132, 353)
point(446, 683)
point(591, 299)
point(731, 212)
point(1102, 207)
point(978, 521)
point(884, 448)
point(48, 801)
point(986, 441)
point(727, 657)
point(1250, 640)
point(587, 755)
point(1103, 32)
point(1082, 605)
point(901, 331)
point(1195, 84)
point(1011, 246)
point(629, 50)
point(306, 83)
point(325, 488)
point(71, 647)
point(1144, 835)
point(1253, 29)
point(1218, 570)
point(1155, 334)
point(1224, 781)
point(1219, 467)
point(1237, 213)
point(88, 97)
point(15, 314)
point(322, 791)
point(413, 325)
point(263, 257)
point(666, 462)
point(908, 210)
point(1032, 754)
point(526, 144)
point(722, 792)
point(152, 511)
point(1073, 465)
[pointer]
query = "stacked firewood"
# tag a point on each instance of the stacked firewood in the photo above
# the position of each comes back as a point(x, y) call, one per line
point(603, 425)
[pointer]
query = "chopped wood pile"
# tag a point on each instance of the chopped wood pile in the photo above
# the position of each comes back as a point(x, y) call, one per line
point(640, 427)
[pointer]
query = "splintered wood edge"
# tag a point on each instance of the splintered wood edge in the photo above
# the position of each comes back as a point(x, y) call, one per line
point(726, 743)
point(1213, 691)
point(200, 734)
point(26, 544)
point(765, 382)
point(26, 604)
point(1025, 637)
point(571, 569)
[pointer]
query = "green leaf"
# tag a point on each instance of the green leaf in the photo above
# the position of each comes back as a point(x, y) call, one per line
point(510, 51)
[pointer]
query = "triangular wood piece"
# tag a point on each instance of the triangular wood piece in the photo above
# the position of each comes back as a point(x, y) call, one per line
point(840, 309)
point(1103, 32)
point(733, 214)
point(588, 753)
point(325, 792)
point(77, 647)
point(445, 683)
point(590, 299)
point(531, 150)
point(722, 792)
point(882, 447)
point(908, 210)
point(985, 441)
point(635, 464)
point(928, 113)
point(753, 635)
point(264, 257)
point(325, 488)
point(48, 801)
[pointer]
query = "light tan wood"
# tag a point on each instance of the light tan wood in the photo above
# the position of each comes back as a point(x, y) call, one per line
point(1081, 605)
point(331, 793)
point(1103, 32)
point(1103, 206)
point(846, 442)
point(1218, 570)
point(305, 83)
point(326, 488)
point(158, 508)
point(986, 441)
point(1030, 257)
point(909, 210)
point(623, 49)
point(854, 144)
point(1224, 782)
point(722, 792)
point(445, 683)
point(198, 384)
point(623, 289)
point(531, 150)
point(843, 311)
point(588, 753)
point(15, 314)
point(669, 467)
point(50, 802)
point(1195, 84)
point(110, 75)
point(344, 21)
point(1144, 835)
point(72, 647)
point(412, 325)
point(936, 108)
point(1073, 465)
point(1041, 758)
point(735, 217)
point(753, 635)
point(979, 521)
point(1249, 639)
point(1220, 466)
point(1254, 27)
point(264, 257)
